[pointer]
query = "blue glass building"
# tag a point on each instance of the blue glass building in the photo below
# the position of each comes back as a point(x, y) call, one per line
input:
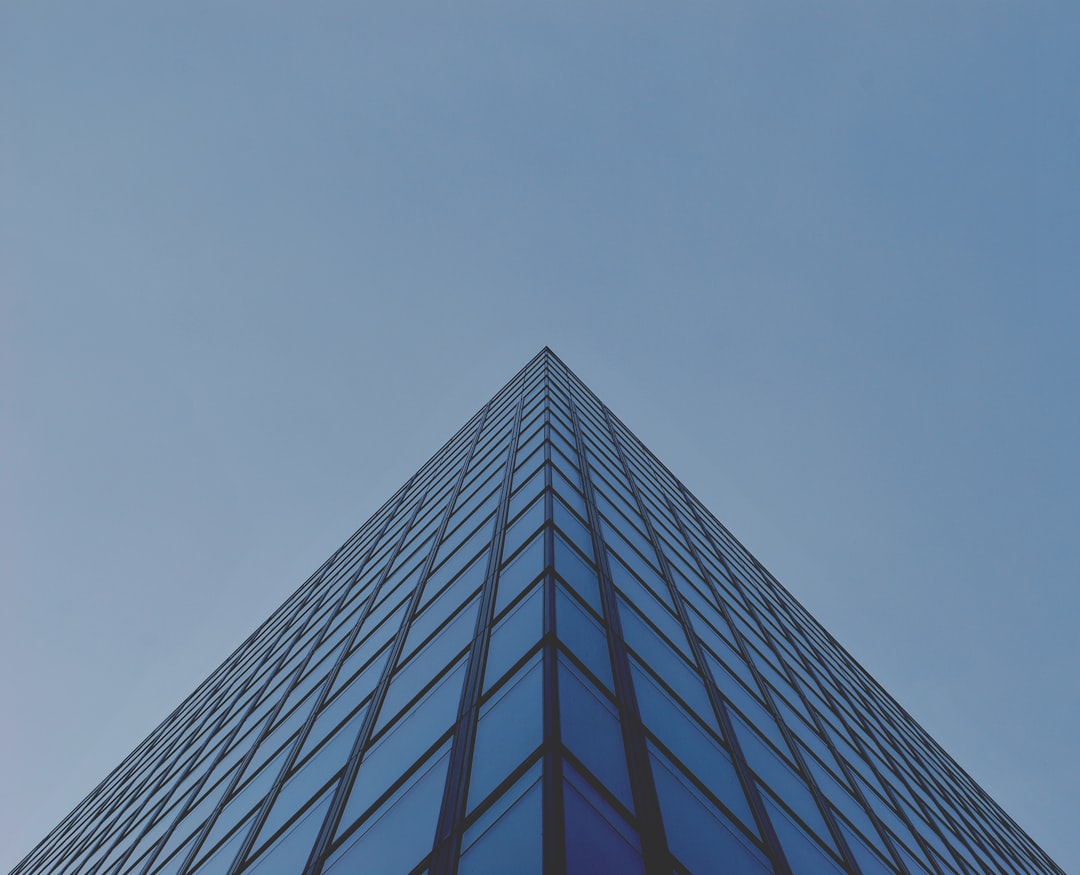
point(541, 655)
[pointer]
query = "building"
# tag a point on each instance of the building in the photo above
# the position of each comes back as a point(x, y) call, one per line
point(542, 654)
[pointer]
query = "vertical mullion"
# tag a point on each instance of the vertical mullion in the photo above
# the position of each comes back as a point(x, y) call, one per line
point(742, 768)
point(330, 824)
point(448, 834)
point(554, 814)
point(655, 854)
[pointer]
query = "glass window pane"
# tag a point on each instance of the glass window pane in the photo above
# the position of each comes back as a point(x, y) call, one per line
point(579, 576)
point(514, 840)
point(514, 635)
point(412, 811)
point(522, 570)
point(510, 728)
point(598, 840)
point(703, 757)
point(802, 852)
point(290, 852)
point(591, 730)
point(431, 659)
point(584, 637)
point(405, 742)
point(703, 839)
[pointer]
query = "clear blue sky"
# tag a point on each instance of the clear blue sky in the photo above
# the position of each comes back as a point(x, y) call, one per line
point(259, 260)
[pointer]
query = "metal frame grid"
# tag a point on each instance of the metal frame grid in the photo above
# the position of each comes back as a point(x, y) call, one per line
point(544, 652)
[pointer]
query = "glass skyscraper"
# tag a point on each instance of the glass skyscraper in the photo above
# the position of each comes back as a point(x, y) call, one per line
point(541, 655)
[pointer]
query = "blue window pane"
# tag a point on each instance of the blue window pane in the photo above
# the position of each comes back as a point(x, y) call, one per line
point(290, 852)
point(405, 742)
point(781, 777)
point(467, 581)
point(699, 834)
point(411, 812)
point(703, 757)
point(631, 583)
point(526, 493)
point(510, 728)
point(868, 860)
point(598, 840)
point(219, 861)
point(522, 570)
point(634, 629)
point(514, 840)
point(672, 669)
point(526, 524)
point(802, 852)
point(584, 637)
point(514, 635)
point(436, 612)
point(411, 678)
point(573, 528)
point(310, 778)
point(591, 730)
point(567, 489)
point(579, 576)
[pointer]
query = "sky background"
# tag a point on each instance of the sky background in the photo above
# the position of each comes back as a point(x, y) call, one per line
point(258, 261)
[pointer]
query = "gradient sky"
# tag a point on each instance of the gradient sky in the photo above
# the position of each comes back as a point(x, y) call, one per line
point(258, 261)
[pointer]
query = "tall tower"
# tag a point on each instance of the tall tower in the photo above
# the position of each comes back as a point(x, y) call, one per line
point(541, 655)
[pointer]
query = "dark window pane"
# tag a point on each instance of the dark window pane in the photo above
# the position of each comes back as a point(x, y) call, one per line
point(699, 834)
point(703, 757)
point(781, 778)
point(431, 659)
point(598, 840)
point(526, 524)
point(591, 730)
point(802, 852)
point(219, 861)
point(574, 529)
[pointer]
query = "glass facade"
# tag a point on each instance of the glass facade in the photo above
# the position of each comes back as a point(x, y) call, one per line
point(542, 655)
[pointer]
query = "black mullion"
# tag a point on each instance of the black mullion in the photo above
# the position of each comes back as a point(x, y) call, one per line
point(447, 845)
point(736, 581)
point(655, 854)
point(317, 857)
point(554, 814)
point(742, 768)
